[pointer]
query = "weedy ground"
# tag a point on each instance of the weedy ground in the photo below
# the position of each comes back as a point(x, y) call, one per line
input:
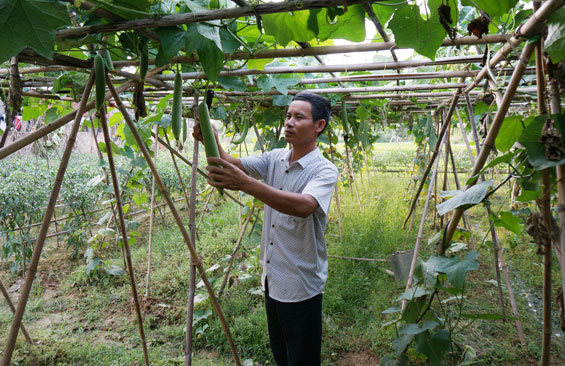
point(75, 319)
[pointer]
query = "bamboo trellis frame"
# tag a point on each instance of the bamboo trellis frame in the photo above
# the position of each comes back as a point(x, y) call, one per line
point(159, 81)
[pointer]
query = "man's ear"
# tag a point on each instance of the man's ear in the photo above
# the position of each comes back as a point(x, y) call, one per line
point(321, 125)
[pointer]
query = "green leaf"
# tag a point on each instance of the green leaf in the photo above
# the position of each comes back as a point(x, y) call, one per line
point(172, 40)
point(349, 26)
point(412, 31)
point(384, 11)
point(205, 40)
point(30, 23)
point(456, 269)
point(470, 197)
point(506, 158)
point(33, 112)
point(414, 328)
point(413, 293)
point(508, 221)
point(281, 84)
point(433, 345)
point(480, 108)
point(139, 198)
point(232, 83)
point(536, 150)
point(555, 42)
point(399, 344)
point(509, 133)
point(286, 27)
point(492, 8)
point(258, 63)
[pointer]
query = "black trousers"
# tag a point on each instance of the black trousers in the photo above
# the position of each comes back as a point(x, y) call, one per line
point(295, 330)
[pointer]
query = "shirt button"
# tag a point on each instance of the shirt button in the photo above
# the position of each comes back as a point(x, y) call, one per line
point(273, 225)
point(286, 171)
point(268, 261)
point(271, 244)
point(281, 188)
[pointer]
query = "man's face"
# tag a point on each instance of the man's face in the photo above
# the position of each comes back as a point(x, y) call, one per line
point(298, 125)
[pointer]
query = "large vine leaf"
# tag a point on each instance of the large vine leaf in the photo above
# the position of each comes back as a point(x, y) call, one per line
point(433, 345)
point(204, 39)
point(456, 269)
point(286, 27)
point(536, 150)
point(468, 198)
point(492, 8)
point(30, 23)
point(555, 41)
point(349, 26)
point(384, 10)
point(127, 9)
point(410, 30)
point(509, 133)
point(281, 84)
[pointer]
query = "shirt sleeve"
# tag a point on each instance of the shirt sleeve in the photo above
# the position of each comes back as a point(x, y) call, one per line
point(321, 187)
point(257, 166)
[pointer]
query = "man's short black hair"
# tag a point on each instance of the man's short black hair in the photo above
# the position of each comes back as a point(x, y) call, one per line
point(320, 106)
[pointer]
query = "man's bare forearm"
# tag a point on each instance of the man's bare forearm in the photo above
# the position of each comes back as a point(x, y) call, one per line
point(290, 203)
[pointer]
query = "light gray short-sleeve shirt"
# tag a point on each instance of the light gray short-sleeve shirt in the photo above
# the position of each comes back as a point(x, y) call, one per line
point(293, 249)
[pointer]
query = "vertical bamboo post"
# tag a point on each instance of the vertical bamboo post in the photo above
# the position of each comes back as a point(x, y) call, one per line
point(125, 242)
point(36, 255)
point(151, 220)
point(193, 259)
point(465, 138)
point(545, 207)
point(177, 218)
point(555, 107)
point(422, 223)
point(13, 310)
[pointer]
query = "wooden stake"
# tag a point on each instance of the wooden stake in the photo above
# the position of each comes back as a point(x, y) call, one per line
point(125, 242)
point(13, 309)
point(151, 221)
point(336, 190)
point(192, 226)
point(177, 218)
point(36, 255)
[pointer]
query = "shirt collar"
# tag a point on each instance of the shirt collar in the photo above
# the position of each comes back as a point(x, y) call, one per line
point(306, 159)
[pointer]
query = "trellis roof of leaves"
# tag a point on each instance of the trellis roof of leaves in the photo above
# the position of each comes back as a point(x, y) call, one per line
point(268, 51)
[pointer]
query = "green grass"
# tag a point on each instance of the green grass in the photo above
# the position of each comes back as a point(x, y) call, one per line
point(77, 322)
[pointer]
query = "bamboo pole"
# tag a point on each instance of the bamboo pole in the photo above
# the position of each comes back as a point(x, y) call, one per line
point(493, 131)
point(328, 50)
point(237, 245)
point(435, 152)
point(527, 29)
point(544, 204)
point(177, 218)
point(465, 138)
point(125, 242)
point(499, 262)
point(337, 68)
point(13, 310)
point(36, 255)
point(555, 107)
point(423, 220)
point(192, 226)
point(151, 221)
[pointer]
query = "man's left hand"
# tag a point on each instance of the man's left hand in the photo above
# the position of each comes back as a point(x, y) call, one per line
point(226, 175)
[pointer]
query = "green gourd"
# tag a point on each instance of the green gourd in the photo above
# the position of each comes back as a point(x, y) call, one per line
point(344, 116)
point(210, 145)
point(243, 135)
point(176, 115)
point(100, 79)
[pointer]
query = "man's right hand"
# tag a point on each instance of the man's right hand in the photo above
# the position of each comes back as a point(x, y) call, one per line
point(197, 133)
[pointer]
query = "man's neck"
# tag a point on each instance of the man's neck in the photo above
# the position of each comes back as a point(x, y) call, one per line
point(298, 151)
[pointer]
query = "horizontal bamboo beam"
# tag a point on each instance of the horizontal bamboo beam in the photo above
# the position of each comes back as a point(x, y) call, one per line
point(328, 50)
point(331, 68)
point(206, 15)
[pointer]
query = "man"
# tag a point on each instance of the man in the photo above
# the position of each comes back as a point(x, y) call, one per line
point(297, 192)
